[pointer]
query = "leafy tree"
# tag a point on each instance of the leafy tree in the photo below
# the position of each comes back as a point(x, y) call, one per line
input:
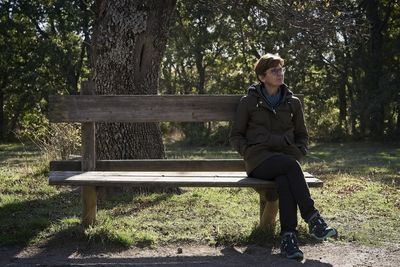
point(343, 55)
point(43, 52)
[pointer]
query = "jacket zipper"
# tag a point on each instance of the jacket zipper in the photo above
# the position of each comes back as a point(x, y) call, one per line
point(263, 104)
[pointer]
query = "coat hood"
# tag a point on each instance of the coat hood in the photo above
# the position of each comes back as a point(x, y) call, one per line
point(255, 90)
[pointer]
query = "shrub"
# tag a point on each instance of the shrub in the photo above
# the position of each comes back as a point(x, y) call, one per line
point(55, 140)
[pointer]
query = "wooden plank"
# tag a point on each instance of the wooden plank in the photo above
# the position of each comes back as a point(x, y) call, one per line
point(142, 108)
point(269, 206)
point(154, 165)
point(89, 194)
point(190, 179)
point(88, 146)
point(66, 165)
point(88, 135)
point(172, 165)
point(159, 174)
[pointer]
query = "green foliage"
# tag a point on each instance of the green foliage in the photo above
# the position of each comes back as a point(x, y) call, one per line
point(197, 134)
point(54, 140)
point(219, 136)
point(213, 46)
point(342, 58)
point(322, 127)
point(43, 52)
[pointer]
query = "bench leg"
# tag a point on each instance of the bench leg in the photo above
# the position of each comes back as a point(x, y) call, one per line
point(89, 200)
point(269, 207)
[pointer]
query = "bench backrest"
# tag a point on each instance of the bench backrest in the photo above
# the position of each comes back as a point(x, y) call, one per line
point(142, 108)
point(89, 109)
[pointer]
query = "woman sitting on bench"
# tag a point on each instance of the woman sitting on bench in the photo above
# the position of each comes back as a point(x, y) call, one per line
point(269, 132)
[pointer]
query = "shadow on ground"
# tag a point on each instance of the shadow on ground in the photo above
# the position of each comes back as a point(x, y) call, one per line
point(81, 254)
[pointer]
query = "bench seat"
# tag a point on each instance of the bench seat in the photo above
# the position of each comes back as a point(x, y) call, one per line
point(160, 179)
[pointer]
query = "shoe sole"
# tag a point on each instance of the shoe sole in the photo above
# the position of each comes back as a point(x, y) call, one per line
point(332, 233)
point(296, 256)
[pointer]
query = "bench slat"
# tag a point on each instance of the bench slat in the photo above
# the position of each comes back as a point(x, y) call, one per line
point(142, 108)
point(154, 165)
point(171, 179)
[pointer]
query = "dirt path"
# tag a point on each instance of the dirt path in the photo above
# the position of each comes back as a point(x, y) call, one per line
point(77, 254)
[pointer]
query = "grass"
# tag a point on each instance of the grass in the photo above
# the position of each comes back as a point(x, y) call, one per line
point(361, 197)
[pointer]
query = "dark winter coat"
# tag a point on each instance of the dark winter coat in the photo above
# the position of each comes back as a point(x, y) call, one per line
point(260, 131)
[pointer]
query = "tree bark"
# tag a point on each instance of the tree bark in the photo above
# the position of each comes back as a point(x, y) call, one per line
point(397, 128)
point(374, 70)
point(353, 109)
point(342, 104)
point(201, 69)
point(129, 41)
point(2, 124)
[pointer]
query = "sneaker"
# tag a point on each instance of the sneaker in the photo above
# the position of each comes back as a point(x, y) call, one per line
point(319, 229)
point(289, 248)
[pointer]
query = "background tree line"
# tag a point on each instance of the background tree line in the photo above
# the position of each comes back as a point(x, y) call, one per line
point(342, 55)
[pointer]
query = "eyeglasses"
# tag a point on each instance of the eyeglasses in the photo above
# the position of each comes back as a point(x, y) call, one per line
point(277, 71)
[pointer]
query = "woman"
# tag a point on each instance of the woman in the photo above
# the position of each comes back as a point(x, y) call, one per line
point(269, 132)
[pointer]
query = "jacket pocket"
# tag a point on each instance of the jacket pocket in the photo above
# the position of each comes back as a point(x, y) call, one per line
point(260, 138)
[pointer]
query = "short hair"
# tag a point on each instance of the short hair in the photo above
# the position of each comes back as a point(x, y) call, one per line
point(266, 62)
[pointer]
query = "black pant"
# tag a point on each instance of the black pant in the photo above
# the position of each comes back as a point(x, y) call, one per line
point(292, 189)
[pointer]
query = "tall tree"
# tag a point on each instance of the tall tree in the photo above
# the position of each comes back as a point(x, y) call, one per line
point(128, 43)
point(42, 52)
point(378, 14)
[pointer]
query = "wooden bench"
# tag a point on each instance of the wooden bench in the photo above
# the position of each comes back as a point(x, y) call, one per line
point(90, 173)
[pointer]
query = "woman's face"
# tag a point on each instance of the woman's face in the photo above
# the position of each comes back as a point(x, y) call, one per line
point(273, 77)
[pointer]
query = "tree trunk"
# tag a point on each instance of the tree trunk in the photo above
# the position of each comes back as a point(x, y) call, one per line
point(129, 41)
point(397, 128)
point(374, 70)
point(201, 69)
point(353, 108)
point(2, 124)
point(342, 104)
point(170, 87)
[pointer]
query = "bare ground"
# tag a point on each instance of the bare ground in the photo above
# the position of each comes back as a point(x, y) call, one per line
point(78, 254)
